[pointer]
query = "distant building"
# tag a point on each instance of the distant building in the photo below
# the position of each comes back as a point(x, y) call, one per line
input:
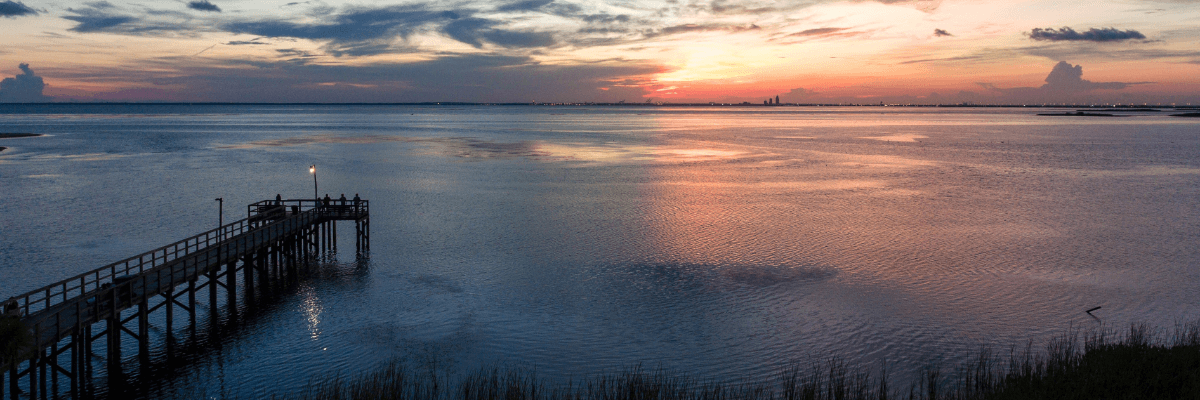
point(777, 100)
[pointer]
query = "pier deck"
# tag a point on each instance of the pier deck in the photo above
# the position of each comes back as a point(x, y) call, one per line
point(277, 240)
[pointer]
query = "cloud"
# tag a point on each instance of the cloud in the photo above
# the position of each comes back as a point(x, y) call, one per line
point(689, 28)
point(798, 95)
point(351, 26)
point(1091, 35)
point(102, 16)
point(203, 5)
point(463, 77)
point(817, 32)
point(250, 42)
point(1065, 83)
point(10, 9)
point(476, 31)
point(723, 7)
point(97, 17)
point(944, 59)
point(1067, 78)
point(941, 33)
point(23, 88)
point(367, 31)
point(527, 5)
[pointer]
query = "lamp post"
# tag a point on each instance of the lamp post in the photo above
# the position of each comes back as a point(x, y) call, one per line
point(312, 169)
point(220, 211)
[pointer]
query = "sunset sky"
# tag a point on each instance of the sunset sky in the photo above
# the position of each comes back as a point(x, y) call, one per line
point(814, 51)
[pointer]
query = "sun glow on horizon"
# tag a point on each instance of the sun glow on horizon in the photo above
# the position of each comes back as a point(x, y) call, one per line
point(566, 50)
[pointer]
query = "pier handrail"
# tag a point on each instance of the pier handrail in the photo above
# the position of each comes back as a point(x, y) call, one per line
point(61, 291)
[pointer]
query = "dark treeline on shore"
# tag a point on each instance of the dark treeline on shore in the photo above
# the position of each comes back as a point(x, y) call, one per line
point(1139, 364)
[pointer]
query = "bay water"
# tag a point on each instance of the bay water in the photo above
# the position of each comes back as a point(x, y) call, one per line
point(722, 243)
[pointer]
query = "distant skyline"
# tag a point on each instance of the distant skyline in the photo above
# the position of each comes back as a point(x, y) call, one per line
point(812, 51)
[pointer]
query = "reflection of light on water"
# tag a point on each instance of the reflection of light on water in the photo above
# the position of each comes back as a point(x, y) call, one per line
point(698, 154)
point(312, 312)
point(595, 153)
point(899, 137)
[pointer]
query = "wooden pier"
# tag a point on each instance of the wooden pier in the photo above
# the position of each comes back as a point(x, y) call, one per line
point(64, 326)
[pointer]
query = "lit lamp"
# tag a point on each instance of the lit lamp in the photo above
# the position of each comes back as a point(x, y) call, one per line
point(312, 169)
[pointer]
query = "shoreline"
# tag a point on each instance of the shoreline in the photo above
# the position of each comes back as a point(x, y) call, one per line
point(1142, 362)
point(19, 135)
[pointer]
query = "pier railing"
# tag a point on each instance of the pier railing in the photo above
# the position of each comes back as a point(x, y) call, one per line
point(262, 215)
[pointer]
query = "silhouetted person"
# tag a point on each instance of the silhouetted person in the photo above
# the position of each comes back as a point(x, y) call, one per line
point(342, 200)
point(356, 201)
point(326, 199)
point(278, 199)
point(12, 309)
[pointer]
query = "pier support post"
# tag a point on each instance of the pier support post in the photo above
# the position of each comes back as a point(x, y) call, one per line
point(77, 361)
point(33, 377)
point(231, 286)
point(113, 334)
point(170, 305)
point(264, 267)
point(248, 268)
point(14, 384)
point(212, 295)
point(192, 308)
point(143, 334)
point(86, 357)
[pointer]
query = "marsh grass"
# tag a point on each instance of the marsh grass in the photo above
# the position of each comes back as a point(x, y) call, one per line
point(1142, 363)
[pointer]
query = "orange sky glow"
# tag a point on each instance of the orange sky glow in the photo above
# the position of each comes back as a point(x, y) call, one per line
point(814, 51)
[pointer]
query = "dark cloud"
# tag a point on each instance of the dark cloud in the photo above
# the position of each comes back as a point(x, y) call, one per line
point(1091, 35)
point(946, 59)
point(102, 16)
point(203, 5)
point(689, 28)
point(250, 42)
point(476, 31)
point(26, 87)
point(527, 5)
point(818, 32)
point(97, 16)
point(941, 33)
point(468, 77)
point(605, 19)
point(354, 25)
point(9, 9)
point(724, 7)
point(367, 31)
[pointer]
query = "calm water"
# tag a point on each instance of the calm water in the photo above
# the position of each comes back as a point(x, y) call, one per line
point(718, 242)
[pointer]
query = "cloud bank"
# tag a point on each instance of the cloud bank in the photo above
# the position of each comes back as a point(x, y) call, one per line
point(10, 9)
point(24, 88)
point(1091, 35)
point(1066, 78)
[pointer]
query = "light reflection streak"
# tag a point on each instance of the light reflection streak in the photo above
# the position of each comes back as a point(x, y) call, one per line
point(312, 312)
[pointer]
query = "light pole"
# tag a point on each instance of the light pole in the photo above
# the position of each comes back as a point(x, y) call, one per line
point(312, 169)
point(220, 211)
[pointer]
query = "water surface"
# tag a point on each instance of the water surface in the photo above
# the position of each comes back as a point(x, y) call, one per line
point(720, 242)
